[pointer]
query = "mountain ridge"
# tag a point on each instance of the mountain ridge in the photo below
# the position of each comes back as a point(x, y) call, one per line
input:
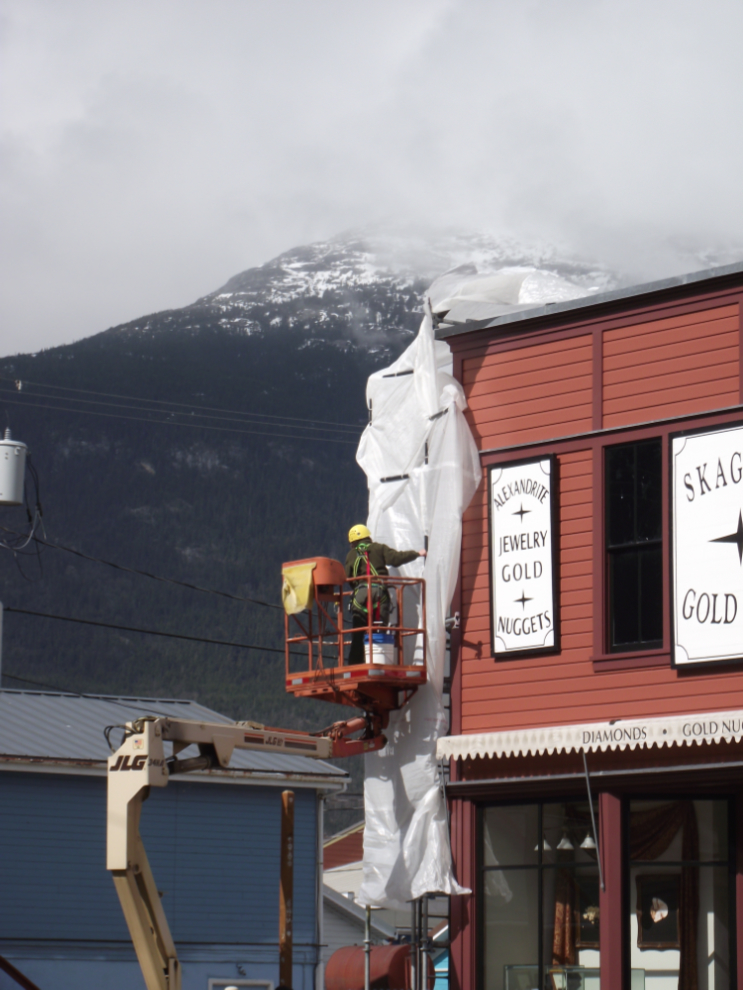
point(135, 469)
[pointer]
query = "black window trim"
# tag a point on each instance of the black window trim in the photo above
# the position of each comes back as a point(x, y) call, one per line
point(646, 646)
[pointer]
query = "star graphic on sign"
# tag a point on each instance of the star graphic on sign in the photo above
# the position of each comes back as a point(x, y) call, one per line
point(736, 537)
point(523, 600)
point(522, 512)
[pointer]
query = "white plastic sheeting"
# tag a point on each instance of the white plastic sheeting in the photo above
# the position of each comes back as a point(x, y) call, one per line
point(419, 438)
point(418, 435)
point(459, 296)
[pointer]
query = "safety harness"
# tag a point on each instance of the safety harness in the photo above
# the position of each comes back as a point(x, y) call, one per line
point(361, 589)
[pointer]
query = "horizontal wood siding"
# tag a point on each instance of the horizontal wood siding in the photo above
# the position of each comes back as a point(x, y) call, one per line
point(498, 695)
point(582, 378)
point(213, 848)
point(346, 849)
point(530, 393)
point(671, 367)
point(53, 859)
point(507, 694)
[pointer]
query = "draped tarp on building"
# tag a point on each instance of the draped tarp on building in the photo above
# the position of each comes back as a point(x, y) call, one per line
point(422, 467)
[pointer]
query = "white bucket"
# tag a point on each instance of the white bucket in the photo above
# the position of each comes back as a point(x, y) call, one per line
point(382, 649)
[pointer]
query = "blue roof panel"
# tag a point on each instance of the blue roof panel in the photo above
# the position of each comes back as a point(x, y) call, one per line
point(53, 726)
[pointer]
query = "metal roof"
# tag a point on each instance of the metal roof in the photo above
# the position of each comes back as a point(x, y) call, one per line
point(59, 728)
point(499, 314)
point(355, 913)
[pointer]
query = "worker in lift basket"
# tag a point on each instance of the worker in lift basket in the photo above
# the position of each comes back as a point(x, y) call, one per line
point(367, 558)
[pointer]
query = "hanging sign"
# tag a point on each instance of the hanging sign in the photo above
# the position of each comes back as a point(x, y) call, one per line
point(523, 568)
point(707, 541)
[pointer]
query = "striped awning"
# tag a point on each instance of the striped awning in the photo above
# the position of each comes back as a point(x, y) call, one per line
point(679, 730)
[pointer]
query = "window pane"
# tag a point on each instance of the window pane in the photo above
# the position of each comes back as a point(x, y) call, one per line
point(680, 915)
point(620, 488)
point(713, 963)
point(657, 831)
point(636, 597)
point(571, 920)
point(511, 930)
point(680, 920)
point(623, 595)
point(651, 595)
point(648, 491)
point(510, 835)
point(568, 836)
point(712, 822)
point(634, 520)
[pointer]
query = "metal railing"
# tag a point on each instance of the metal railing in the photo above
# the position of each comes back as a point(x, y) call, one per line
point(322, 637)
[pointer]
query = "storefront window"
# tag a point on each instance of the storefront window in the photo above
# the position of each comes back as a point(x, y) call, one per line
point(679, 889)
point(540, 890)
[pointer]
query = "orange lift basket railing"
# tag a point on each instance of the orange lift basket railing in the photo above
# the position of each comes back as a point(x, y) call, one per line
point(320, 636)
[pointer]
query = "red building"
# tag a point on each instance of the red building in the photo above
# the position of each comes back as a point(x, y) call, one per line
point(601, 644)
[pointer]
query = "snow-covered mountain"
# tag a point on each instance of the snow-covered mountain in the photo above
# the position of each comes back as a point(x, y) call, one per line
point(213, 442)
point(238, 453)
point(363, 258)
point(365, 289)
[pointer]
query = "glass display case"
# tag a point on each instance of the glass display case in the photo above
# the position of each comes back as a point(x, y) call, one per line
point(562, 978)
point(521, 978)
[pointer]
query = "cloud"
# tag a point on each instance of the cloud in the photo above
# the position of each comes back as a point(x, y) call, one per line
point(150, 150)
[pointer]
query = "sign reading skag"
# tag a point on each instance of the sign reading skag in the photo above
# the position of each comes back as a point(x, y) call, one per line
point(707, 502)
point(522, 556)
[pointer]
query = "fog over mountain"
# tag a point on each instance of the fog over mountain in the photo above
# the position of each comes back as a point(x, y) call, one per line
point(149, 148)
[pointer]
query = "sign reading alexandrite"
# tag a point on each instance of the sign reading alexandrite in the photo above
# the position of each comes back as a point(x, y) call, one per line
point(707, 480)
point(521, 556)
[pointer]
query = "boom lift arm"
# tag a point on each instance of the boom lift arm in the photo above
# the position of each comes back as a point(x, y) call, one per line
point(377, 682)
point(140, 763)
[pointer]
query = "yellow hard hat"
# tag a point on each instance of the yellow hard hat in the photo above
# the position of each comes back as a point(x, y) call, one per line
point(358, 532)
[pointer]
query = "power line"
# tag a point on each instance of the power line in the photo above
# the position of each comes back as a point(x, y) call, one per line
point(79, 694)
point(162, 422)
point(146, 632)
point(43, 684)
point(27, 680)
point(148, 574)
point(170, 412)
point(168, 402)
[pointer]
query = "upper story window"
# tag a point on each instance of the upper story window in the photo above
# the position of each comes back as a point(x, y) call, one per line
point(634, 545)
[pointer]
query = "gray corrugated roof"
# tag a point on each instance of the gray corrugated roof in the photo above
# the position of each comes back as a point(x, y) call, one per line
point(355, 913)
point(501, 315)
point(48, 725)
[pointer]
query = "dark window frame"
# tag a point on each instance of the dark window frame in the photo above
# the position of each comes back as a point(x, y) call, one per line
point(635, 549)
point(540, 867)
point(733, 804)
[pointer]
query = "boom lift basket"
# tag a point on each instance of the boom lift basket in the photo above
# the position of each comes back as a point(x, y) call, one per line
point(320, 631)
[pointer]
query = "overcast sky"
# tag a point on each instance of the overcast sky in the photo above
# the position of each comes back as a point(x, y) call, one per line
point(150, 150)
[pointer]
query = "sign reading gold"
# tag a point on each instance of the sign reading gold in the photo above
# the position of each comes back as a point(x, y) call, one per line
point(707, 480)
point(522, 556)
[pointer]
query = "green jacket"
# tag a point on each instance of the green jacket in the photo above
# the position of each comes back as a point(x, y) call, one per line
point(380, 557)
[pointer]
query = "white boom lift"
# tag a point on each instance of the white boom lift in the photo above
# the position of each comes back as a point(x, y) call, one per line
point(375, 687)
point(140, 763)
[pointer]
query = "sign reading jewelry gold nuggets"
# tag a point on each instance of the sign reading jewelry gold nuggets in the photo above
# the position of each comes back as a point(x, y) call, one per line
point(707, 504)
point(523, 568)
